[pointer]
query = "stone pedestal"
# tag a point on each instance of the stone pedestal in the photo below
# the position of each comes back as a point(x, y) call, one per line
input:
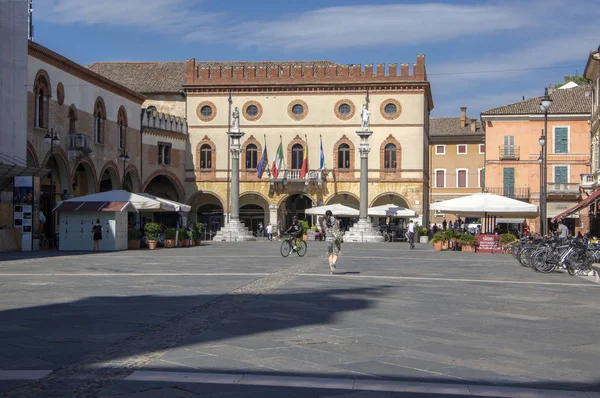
point(363, 231)
point(235, 231)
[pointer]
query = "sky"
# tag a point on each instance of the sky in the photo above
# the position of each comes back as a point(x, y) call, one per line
point(479, 54)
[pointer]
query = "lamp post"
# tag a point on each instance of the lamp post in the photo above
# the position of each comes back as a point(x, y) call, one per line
point(51, 138)
point(545, 104)
point(124, 157)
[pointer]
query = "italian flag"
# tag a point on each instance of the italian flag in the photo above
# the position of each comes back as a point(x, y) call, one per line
point(304, 169)
point(277, 163)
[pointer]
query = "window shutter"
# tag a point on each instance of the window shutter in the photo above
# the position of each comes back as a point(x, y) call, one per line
point(439, 179)
point(462, 179)
point(561, 140)
point(509, 181)
point(481, 177)
point(509, 145)
point(596, 156)
point(561, 174)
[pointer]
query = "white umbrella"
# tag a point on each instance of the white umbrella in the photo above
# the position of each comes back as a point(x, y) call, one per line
point(336, 208)
point(391, 210)
point(486, 205)
point(141, 201)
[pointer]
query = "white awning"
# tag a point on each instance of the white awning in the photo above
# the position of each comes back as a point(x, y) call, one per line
point(140, 201)
point(486, 204)
point(336, 208)
point(510, 220)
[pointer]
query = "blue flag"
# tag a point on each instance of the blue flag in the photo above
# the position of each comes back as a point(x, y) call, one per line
point(322, 157)
point(263, 162)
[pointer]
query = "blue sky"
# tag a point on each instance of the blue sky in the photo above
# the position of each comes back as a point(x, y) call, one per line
point(478, 54)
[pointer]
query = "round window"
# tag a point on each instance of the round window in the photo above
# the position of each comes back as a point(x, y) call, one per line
point(297, 109)
point(344, 109)
point(252, 110)
point(390, 109)
point(206, 111)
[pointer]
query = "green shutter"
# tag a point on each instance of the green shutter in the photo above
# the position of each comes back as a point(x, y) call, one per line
point(509, 181)
point(561, 174)
point(561, 140)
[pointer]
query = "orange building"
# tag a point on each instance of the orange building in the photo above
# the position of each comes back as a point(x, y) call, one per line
point(457, 154)
point(512, 166)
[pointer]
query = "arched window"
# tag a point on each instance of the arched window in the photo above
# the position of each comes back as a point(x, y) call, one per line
point(390, 156)
point(42, 94)
point(344, 156)
point(205, 157)
point(251, 156)
point(297, 156)
point(72, 120)
point(122, 128)
point(99, 117)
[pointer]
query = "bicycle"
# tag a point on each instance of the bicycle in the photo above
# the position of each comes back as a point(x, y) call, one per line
point(287, 247)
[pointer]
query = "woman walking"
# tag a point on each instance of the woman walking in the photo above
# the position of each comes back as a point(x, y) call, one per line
point(97, 231)
point(333, 236)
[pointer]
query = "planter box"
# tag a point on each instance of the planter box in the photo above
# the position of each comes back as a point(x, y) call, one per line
point(151, 244)
point(468, 248)
point(133, 244)
point(185, 243)
point(438, 246)
point(424, 239)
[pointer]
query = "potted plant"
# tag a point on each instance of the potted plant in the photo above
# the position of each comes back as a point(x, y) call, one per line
point(423, 234)
point(507, 238)
point(189, 234)
point(170, 234)
point(468, 243)
point(152, 229)
point(304, 224)
point(451, 237)
point(182, 238)
point(133, 239)
point(438, 240)
point(199, 228)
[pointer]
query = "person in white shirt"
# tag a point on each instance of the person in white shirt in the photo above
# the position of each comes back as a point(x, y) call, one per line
point(411, 234)
point(270, 232)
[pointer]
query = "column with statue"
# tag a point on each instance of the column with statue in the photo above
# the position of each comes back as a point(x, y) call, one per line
point(235, 231)
point(363, 230)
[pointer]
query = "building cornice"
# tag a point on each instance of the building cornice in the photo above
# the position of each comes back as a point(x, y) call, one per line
point(535, 117)
point(66, 65)
point(167, 134)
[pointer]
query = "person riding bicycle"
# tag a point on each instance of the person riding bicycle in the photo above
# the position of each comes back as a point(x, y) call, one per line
point(295, 230)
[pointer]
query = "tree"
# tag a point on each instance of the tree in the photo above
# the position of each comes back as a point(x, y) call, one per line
point(580, 80)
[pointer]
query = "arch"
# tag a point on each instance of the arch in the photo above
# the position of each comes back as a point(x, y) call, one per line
point(198, 194)
point(99, 120)
point(132, 181)
point(32, 157)
point(180, 191)
point(42, 91)
point(200, 165)
point(296, 204)
point(59, 158)
point(208, 208)
point(344, 198)
point(113, 174)
point(250, 141)
point(84, 179)
point(296, 140)
point(254, 208)
point(390, 140)
point(344, 140)
point(72, 116)
point(391, 198)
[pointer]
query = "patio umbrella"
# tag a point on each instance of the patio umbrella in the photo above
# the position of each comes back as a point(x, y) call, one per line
point(486, 205)
point(337, 210)
point(390, 210)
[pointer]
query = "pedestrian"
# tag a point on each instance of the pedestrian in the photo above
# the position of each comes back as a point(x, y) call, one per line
point(478, 230)
point(333, 236)
point(563, 230)
point(444, 225)
point(97, 231)
point(434, 229)
point(411, 234)
point(450, 225)
point(260, 229)
point(270, 232)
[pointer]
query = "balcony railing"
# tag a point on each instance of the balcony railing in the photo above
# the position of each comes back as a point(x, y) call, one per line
point(509, 152)
point(80, 144)
point(515, 193)
point(562, 188)
point(589, 181)
point(293, 176)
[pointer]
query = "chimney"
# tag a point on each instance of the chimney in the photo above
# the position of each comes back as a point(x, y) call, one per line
point(473, 125)
point(463, 116)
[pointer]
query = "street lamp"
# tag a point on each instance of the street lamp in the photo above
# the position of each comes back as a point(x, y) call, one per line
point(124, 157)
point(51, 138)
point(545, 104)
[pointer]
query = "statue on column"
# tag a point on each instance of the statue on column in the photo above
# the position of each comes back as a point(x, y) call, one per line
point(235, 122)
point(364, 115)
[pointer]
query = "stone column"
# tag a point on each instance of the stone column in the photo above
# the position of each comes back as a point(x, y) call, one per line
point(363, 231)
point(235, 231)
point(273, 217)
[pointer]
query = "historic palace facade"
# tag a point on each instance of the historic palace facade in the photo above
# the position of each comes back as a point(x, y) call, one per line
point(300, 105)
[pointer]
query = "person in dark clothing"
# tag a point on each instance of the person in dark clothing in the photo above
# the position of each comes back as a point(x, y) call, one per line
point(295, 230)
point(97, 232)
